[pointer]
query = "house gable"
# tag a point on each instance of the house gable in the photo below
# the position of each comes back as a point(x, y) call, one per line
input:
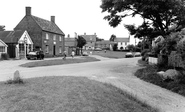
point(2, 43)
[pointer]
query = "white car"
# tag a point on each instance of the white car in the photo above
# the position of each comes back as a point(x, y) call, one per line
point(129, 55)
point(137, 54)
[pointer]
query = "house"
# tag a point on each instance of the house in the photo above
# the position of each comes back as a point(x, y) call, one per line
point(19, 43)
point(104, 44)
point(46, 35)
point(70, 44)
point(122, 42)
point(90, 41)
point(3, 47)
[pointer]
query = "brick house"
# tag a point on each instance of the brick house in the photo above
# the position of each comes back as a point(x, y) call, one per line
point(46, 35)
point(90, 41)
point(19, 43)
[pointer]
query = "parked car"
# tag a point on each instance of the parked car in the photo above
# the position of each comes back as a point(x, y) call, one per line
point(85, 54)
point(129, 55)
point(35, 55)
point(98, 49)
point(137, 54)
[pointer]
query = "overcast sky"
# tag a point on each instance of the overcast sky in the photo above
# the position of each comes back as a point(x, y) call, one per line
point(80, 16)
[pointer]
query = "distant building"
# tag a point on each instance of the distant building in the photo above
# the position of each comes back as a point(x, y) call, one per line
point(122, 42)
point(104, 44)
point(46, 35)
point(70, 44)
point(90, 39)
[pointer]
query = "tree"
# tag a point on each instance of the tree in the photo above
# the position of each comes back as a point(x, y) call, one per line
point(158, 15)
point(99, 39)
point(113, 37)
point(81, 42)
point(2, 28)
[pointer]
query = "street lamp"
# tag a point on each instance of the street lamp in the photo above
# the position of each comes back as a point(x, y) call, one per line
point(25, 42)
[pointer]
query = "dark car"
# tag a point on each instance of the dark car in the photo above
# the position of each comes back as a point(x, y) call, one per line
point(35, 55)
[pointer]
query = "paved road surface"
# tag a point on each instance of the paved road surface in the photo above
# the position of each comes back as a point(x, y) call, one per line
point(118, 72)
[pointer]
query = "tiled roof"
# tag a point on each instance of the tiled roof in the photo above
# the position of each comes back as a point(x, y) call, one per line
point(122, 39)
point(47, 25)
point(89, 38)
point(11, 36)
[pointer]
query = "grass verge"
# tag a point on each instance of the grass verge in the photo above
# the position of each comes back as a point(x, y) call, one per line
point(110, 54)
point(59, 62)
point(67, 94)
point(149, 74)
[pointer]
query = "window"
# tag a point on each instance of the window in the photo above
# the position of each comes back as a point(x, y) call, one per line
point(21, 47)
point(121, 43)
point(60, 49)
point(47, 49)
point(125, 43)
point(47, 36)
point(60, 38)
point(54, 37)
point(2, 48)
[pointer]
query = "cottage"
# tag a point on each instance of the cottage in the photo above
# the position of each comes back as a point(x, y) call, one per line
point(122, 43)
point(104, 44)
point(46, 35)
point(3, 47)
point(19, 43)
point(90, 41)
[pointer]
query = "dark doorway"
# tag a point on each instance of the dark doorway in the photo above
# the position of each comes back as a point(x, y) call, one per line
point(54, 50)
point(11, 50)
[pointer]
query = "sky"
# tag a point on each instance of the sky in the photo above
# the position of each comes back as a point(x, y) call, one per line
point(80, 16)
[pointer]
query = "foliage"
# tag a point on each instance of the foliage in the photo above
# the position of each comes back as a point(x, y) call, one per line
point(115, 47)
point(112, 38)
point(131, 47)
point(99, 39)
point(80, 41)
point(2, 28)
point(16, 81)
point(4, 56)
point(149, 74)
point(158, 15)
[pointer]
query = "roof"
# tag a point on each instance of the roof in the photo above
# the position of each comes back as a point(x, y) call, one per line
point(122, 39)
point(48, 25)
point(104, 42)
point(89, 38)
point(3, 43)
point(11, 36)
point(70, 42)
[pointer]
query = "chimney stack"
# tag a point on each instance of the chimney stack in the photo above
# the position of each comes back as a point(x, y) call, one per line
point(84, 33)
point(28, 11)
point(53, 19)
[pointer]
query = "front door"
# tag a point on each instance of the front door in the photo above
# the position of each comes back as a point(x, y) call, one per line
point(54, 50)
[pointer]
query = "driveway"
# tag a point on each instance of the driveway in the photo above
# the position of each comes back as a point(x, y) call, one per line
point(118, 72)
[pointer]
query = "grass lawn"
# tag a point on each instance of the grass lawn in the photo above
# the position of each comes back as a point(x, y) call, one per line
point(110, 54)
point(66, 94)
point(149, 74)
point(59, 62)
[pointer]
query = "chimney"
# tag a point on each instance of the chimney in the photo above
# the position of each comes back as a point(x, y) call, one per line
point(28, 11)
point(68, 36)
point(84, 33)
point(53, 19)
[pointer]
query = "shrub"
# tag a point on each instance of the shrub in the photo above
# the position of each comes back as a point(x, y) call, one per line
point(17, 81)
point(4, 56)
point(143, 52)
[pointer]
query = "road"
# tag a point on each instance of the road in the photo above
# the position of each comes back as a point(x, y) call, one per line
point(118, 72)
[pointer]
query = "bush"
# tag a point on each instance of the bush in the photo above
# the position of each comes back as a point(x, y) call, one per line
point(4, 56)
point(17, 81)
